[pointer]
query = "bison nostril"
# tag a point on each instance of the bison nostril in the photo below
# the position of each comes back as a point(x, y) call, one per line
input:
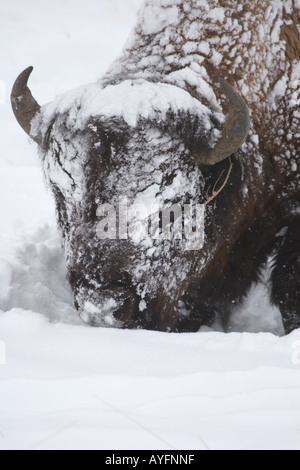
point(112, 306)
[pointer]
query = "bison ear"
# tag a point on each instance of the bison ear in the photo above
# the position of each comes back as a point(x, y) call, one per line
point(234, 132)
point(24, 106)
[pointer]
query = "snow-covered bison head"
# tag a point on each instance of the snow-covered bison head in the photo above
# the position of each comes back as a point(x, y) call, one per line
point(158, 131)
point(140, 141)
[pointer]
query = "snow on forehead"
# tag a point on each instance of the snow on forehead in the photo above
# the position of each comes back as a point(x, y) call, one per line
point(130, 100)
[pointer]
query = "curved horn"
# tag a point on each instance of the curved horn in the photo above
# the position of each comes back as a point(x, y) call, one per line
point(234, 132)
point(24, 106)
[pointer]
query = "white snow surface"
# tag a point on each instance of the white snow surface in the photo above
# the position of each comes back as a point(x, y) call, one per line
point(68, 386)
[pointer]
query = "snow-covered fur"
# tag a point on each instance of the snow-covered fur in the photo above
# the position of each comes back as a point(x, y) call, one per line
point(131, 134)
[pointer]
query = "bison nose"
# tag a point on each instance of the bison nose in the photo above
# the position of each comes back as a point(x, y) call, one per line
point(112, 306)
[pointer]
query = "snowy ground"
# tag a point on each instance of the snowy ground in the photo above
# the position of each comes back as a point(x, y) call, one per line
point(65, 385)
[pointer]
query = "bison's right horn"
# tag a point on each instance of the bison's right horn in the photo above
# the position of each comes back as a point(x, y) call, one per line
point(234, 132)
point(24, 106)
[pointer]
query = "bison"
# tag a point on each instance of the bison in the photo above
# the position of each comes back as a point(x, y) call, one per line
point(202, 107)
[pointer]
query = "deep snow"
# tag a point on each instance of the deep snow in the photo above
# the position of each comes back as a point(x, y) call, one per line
point(65, 385)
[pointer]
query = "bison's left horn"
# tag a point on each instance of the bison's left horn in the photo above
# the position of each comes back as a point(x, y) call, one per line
point(24, 106)
point(234, 132)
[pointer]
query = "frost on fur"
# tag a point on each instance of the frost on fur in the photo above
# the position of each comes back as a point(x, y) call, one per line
point(154, 129)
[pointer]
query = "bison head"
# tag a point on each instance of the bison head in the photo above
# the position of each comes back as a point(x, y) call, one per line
point(150, 143)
